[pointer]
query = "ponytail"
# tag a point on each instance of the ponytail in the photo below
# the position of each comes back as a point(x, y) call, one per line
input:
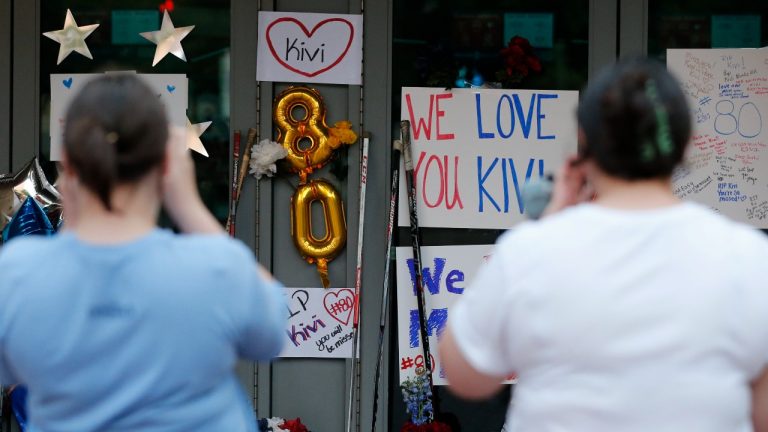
point(98, 171)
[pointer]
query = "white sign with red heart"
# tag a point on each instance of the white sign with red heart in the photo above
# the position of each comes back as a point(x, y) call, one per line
point(310, 47)
point(320, 322)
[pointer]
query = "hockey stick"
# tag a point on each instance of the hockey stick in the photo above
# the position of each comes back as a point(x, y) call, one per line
point(233, 200)
point(397, 147)
point(410, 182)
point(354, 376)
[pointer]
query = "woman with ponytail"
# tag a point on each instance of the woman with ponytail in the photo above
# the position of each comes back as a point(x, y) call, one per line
point(624, 308)
point(115, 324)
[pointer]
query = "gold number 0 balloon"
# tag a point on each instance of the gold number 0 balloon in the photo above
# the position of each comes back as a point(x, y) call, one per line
point(312, 127)
point(313, 249)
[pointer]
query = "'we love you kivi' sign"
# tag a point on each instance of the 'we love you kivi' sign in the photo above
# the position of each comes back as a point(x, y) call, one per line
point(310, 47)
point(475, 150)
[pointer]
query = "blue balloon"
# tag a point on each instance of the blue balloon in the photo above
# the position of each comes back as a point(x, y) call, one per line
point(29, 220)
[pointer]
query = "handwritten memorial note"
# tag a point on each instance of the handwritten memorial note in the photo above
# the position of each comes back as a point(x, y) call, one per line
point(474, 151)
point(319, 322)
point(726, 165)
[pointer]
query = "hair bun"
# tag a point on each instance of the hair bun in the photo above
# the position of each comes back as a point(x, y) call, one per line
point(635, 119)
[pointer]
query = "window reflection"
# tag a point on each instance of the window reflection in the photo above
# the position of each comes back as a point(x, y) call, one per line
point(116, 46)
point(706, 24)
point(439, 42)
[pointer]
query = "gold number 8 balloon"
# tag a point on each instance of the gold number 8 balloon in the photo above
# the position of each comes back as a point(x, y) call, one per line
point(321, 140)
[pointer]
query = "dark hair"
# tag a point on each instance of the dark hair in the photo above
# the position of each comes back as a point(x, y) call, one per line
point(115, 132)
point(635, 119)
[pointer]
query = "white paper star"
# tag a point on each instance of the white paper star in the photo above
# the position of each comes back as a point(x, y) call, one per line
point(168, 39)
point(72, 38)
point(193, 136)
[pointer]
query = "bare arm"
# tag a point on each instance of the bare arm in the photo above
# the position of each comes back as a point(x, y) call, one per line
point(465, 381)
point(760, 402)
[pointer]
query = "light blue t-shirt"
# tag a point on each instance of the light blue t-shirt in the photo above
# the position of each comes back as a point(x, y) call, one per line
point(141, 336)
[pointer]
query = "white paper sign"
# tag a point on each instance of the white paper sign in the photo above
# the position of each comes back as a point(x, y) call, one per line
point(474, 151)
point(310, 47)
point(172, 89)
point(727, 160)
point(447, 271)
point(63, 89)
point(319, 323)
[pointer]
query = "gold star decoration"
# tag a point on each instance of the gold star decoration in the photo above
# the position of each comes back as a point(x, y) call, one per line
point(194, 131)
point(168, 39)
point(72, 38)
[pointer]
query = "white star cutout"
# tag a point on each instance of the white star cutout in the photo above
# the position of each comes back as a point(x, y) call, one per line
point(72, 38)
point(193, 136)
point(168, 39)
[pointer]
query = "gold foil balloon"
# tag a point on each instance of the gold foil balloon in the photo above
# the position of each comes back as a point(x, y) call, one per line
point(29, 181)
point(307, 140)
point(310, 144)
point(318, 250)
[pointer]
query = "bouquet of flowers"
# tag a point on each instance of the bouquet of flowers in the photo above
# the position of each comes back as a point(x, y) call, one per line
point(417, 395)
point(519, 62)
point(277, 424)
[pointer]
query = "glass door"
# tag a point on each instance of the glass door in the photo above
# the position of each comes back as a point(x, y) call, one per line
point(476, 43)
point(116, 46)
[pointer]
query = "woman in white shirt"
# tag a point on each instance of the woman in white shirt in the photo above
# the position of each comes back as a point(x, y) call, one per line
point(632, 312)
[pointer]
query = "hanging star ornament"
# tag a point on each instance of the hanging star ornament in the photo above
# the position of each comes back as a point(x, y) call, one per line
point(72, 38)
point(168, 39)
point(193, 136)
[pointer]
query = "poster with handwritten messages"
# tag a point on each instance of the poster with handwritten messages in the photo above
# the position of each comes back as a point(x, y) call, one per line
point(475, 149)
point(171, 89)
point(726, 166)
point(447, 271)
point(319, 322)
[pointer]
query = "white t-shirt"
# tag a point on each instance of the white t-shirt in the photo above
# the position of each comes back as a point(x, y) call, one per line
point(653, 320)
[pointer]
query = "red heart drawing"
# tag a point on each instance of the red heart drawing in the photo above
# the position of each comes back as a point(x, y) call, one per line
point(338, 307)
point(309, 34)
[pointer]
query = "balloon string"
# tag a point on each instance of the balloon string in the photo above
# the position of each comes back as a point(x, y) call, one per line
point(322, 269)
point(309, 168)
point(315, 191)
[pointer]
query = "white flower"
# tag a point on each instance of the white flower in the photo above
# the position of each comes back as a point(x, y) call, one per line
point(273, 424)
point(264, 156)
